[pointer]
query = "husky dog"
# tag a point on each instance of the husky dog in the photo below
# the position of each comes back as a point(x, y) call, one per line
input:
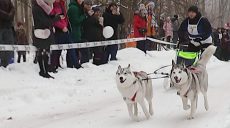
point(135, 87)
point(190, 81)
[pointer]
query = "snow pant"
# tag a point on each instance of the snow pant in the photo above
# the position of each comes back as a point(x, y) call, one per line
point(168, 39)
point(175, 38)
point(71, 57)
point(84, 55)
point(6, 37)
point(43, 59)
point(99, 56)
point(142, 45)
point(111, 50)
point(225, 54)
point(21, 54)
point(151, 45)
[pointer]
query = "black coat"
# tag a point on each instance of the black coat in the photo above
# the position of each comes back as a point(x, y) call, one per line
point(113, 21)
point(43, 21)
point(7, 12)
point(92, 29)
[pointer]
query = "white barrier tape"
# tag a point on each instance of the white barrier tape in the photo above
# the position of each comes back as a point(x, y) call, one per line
point(17, 48)
point(161, 42)
point(79, 45)
point(69, 46)
point(93, 44)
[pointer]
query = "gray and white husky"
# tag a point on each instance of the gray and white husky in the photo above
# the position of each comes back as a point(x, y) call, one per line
point(135, 87)
point(190, 81)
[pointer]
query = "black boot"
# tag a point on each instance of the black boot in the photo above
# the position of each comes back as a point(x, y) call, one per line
point(43, 65)
point(219, 53)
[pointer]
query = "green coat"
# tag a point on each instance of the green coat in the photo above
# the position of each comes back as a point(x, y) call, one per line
point(76, 17)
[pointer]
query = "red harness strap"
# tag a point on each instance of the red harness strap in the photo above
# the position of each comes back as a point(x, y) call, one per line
point(134, 97)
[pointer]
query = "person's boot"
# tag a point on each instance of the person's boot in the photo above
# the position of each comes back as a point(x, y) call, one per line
point(46, 65)
point(42, 60)
point(78, 66)
point(219, 53)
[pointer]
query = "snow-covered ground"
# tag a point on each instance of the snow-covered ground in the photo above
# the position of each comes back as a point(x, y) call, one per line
point(88, 98)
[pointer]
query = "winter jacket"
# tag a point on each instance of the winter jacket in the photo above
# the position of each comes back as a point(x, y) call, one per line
point(60, 8)
point(168, 28)
point(21, 38)
point(139, 24)
point(92, 29)
point(76, 16)
point(204, 27)
point(225, 42)
point(113, 21)
point(7, 12)
point(151, 26)
point(43, 21)
point(175, 24)
point(216, 38)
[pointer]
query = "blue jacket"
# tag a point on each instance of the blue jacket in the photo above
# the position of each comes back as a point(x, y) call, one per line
point(204, 28)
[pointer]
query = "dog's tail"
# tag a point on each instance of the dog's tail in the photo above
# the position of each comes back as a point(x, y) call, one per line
point(206, 55)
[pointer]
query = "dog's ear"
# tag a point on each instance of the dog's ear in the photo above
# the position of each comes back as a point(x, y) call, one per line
point(129, 66)
point(119, 67)
point(173, 63)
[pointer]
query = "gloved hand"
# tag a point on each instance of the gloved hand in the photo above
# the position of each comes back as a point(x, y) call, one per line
point(197, 40)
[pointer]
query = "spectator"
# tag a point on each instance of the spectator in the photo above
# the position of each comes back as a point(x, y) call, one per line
point(77, 15)
point(225, 45)
point(152, 21)
point(161, 32)
point(43, 32)
point(168, 29)
point(152, 26)
point(217, 36)
point(175, 26)
point(7, 12)
point(113, 17)
point(93, 31)
point(21, 39)
point(61, 37)
point(140, 27)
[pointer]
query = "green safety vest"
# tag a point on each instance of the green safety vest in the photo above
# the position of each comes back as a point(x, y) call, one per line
point(188, 55)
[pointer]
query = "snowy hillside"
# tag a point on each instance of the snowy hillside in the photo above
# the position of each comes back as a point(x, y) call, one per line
point(88, 98)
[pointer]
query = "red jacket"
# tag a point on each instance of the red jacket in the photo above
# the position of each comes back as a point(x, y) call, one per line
point(60, 8)
point(139, 23)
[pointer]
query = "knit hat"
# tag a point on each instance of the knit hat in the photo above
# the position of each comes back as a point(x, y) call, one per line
point(88, 2)
point(96, 9)
point(142, 9)
point(193, 8)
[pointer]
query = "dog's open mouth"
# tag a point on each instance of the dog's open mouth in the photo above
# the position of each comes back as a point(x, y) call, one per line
point(122, 81)
point(177, 80)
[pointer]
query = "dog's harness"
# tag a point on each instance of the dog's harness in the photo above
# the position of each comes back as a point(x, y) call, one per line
point(193, 71)
point(133, 99)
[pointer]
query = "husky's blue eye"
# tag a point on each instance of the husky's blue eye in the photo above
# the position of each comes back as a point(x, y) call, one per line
point(125, 73)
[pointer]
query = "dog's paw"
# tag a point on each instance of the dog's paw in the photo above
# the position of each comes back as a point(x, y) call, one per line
point(148, 116)
point(151, 112)
point(135, 118)
point(190, 117)
point(186, 107)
